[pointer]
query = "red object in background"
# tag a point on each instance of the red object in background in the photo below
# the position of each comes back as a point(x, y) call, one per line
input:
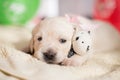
point(108, 10)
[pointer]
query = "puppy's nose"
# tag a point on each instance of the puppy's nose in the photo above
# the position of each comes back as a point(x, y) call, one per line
point(49, 55)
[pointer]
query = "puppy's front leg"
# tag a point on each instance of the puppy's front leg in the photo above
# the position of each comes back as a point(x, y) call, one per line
point(75, 60)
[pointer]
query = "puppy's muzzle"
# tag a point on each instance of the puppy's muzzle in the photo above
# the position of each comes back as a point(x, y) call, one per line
point(49, 56)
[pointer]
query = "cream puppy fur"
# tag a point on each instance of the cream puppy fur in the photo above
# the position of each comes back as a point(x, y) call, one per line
point(51, 39)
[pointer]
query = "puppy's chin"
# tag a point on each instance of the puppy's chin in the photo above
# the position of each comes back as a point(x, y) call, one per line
point(53, 61)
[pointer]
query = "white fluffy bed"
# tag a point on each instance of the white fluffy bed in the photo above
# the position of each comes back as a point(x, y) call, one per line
point(17, 65)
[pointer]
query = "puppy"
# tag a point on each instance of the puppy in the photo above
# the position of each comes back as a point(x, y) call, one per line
point(51, 40)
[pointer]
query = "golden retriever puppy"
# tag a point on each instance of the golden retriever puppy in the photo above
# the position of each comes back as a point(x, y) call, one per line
point(51, 40)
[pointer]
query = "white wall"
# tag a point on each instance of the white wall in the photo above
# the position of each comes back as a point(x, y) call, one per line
point(49, 8)
point(81, 7)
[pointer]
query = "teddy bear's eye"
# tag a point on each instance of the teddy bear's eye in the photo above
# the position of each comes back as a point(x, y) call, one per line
point(82, 41)
point(88, 48)
point(89, 32)
point(62, 40)
point(77, 38)
point(39, 38)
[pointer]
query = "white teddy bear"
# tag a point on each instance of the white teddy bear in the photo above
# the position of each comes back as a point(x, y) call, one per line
point(82, 42)
point(81, 49)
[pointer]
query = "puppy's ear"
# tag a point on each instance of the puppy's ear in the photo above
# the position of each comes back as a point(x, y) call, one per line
point(31, 46)
point(36, 29)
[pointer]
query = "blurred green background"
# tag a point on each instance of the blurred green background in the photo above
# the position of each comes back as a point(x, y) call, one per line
point(17, 12)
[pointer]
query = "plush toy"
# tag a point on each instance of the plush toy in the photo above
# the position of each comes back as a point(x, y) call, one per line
point(81, 48)
point(82, 38)
point(82, 42)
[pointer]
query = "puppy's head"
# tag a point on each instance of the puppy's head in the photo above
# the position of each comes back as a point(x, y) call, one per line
point(51, 40)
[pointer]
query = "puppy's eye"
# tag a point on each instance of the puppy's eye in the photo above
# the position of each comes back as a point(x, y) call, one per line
point(39, 38)
point(62, 40)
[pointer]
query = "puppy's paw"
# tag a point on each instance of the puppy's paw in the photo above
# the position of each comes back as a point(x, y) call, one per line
point(69, 62)
point(76, 60)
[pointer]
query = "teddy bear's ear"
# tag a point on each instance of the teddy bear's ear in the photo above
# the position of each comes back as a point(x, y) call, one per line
point(89, 31)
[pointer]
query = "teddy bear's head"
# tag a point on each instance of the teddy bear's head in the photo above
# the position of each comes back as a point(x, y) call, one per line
point(82, 42)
